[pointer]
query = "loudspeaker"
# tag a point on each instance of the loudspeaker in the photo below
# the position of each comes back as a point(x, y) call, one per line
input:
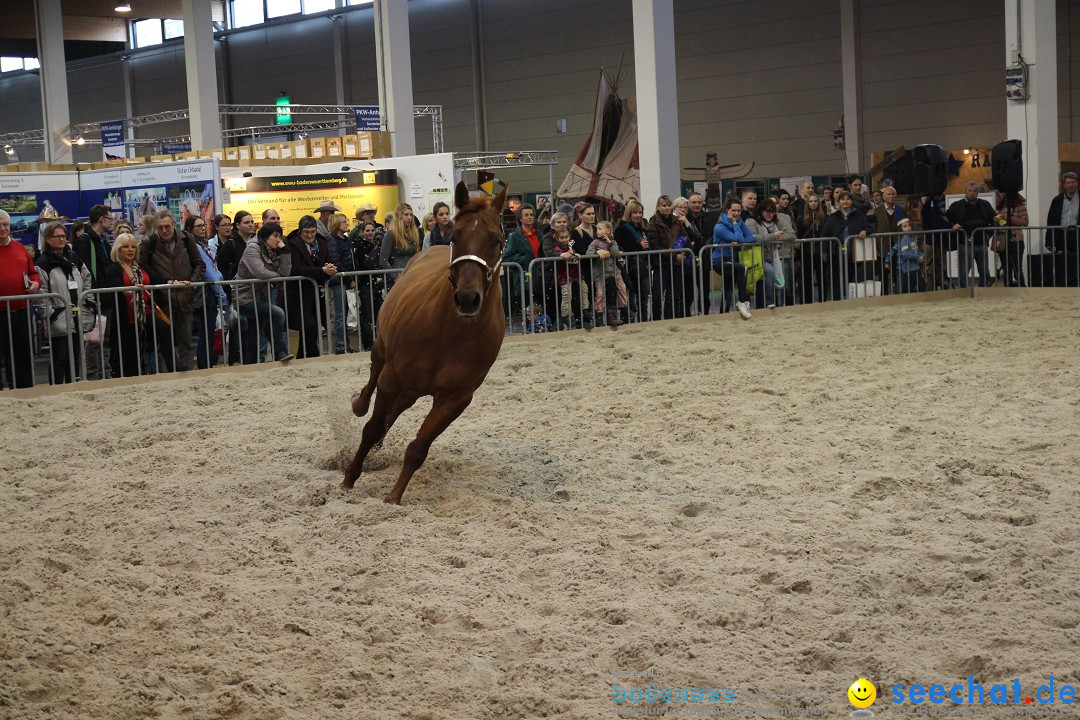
point(931, 169)
point(1008, 167)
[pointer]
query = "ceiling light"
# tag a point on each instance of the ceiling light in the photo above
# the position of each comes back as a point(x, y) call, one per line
point(80, 140)
point(967, 151)
point(123, 8)
point(9, 150)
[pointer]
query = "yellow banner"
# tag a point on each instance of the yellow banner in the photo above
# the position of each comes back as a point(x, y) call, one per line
point(295, 196)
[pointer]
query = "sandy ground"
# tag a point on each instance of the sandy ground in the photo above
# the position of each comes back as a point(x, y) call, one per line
point(885, 492)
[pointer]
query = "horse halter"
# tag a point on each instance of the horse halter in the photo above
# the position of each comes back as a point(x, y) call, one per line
point(489, 270)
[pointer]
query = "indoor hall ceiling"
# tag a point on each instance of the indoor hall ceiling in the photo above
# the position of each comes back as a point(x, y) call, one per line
point(88, 20)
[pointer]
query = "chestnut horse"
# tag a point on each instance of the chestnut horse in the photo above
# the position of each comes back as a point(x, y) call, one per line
point(436, 337)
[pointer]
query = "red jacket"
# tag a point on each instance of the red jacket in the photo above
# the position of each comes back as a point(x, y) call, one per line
point(15, 267)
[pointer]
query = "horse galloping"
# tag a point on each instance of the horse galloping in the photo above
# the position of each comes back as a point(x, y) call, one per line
point(436, 337)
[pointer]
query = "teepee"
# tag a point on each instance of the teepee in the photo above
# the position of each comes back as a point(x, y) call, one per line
point(607, 168)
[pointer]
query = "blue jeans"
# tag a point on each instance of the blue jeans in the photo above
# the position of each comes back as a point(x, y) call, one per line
point(263, 321)
point(205, 323)
point(963, 263)
point(341, 312)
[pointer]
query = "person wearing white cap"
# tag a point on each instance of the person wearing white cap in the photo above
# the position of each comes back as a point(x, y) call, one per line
point(324, 211)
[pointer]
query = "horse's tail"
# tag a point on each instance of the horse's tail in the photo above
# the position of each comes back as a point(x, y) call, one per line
point(362, 400)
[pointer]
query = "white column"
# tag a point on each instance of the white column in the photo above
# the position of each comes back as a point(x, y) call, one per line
point(129, 104)
point(657, 109)
point(54, 93)
point(852, 78)
point(394, 69)
point(1032, 37)
point(342, 74)
point(200, 60)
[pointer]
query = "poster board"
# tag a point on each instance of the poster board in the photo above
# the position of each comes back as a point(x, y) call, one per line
point(33, 198)
point(435, 175)
point(184, 188)
point(296, 195)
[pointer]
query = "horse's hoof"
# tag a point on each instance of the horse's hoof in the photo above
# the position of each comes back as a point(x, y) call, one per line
point(391, 500)
point(347, 484)
point(359, 405)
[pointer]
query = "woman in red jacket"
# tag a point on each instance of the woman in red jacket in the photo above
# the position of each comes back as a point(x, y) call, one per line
point(18, 276)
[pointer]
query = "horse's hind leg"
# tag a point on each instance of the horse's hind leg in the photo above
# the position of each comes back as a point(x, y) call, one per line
point(361, 400)
point(443, 412)
point(374, 430)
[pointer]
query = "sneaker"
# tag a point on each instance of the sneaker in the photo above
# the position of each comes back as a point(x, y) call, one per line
point(744, 309)
point(286, 358)
point(771, 305)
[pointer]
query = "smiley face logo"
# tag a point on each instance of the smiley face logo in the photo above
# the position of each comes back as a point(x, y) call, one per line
point(862, 693)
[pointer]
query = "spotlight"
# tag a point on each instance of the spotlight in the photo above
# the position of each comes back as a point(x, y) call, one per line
point(8, 149)
point(512, 156)
point(80, 140)
point(123, 8)
point(967, 151)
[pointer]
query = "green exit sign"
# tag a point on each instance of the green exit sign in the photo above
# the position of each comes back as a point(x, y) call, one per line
point(284, 112)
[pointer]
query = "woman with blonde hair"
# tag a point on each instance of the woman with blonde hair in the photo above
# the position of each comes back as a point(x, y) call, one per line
point(401, 240)
point(631, 237)
point(131, 315)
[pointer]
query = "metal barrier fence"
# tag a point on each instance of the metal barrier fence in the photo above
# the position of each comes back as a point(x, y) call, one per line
point(655, 284)
point(22, 330)
point(153, 329)
point(514, 299)
point(1032, 255)
point(811, 270)
point(370, 288)
point(896, 263)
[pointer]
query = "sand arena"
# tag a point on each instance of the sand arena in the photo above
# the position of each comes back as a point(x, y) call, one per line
point(878, 491)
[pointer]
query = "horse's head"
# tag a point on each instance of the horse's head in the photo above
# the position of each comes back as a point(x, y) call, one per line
point(476, 250)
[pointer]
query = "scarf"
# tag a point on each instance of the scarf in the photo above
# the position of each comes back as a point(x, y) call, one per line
point(633, 231)
point(137, 307)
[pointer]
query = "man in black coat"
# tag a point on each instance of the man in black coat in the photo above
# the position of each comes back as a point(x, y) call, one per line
point(969, 214)
point(1064, 238)
point(704, 221)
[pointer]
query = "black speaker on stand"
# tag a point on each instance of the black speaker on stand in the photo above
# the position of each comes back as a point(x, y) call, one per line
point(931, 169)
point(1007, 166)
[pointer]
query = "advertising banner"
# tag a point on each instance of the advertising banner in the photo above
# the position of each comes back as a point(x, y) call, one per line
point(172, 148)
point(112, 140)
point(367, 118)
point(33, 199)
point(183, 188)
point(294, 196)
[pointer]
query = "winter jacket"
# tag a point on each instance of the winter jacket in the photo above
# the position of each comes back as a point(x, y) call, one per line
point(178, 260)
point(393, 256)
point(301, 301)
point(256, 264)
point(971, 217)
point(92, 250)
point(16, 267)
point(763, 232)
point(661, 234)
point(726, 233)
point(341, 254)
point(58, 273)
point(839, 226)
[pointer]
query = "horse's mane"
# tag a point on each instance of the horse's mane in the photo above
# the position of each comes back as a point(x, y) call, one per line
point(474, 208)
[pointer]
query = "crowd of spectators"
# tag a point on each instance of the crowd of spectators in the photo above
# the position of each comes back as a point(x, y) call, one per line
point(97, 318)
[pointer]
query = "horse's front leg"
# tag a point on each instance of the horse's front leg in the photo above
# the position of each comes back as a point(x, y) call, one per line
point(374, 430)
point(444, 411)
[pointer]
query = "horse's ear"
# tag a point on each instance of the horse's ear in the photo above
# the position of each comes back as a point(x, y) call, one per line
point(500, 200)
point(461, 195)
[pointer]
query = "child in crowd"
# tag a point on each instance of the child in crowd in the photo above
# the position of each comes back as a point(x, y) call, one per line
point(568, 274)
point(606, 276)
point(907, 257)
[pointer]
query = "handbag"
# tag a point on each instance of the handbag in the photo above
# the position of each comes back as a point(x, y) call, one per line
point(754, 260)
point(352, 318)
point(778, 268)
point(96, 334)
